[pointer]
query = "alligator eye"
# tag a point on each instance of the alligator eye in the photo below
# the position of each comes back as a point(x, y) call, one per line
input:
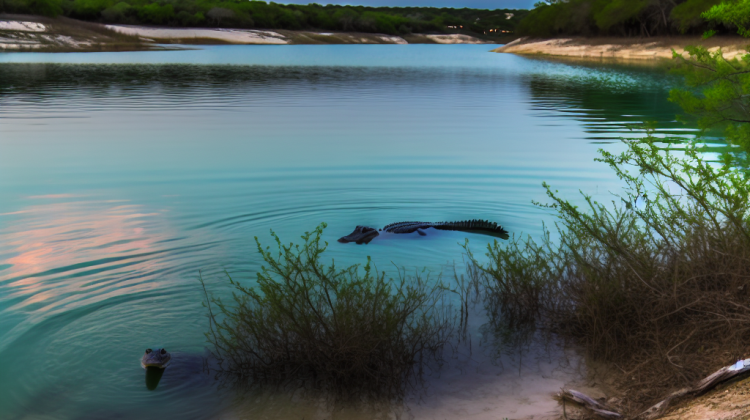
point(148, 351)
point(163, 351)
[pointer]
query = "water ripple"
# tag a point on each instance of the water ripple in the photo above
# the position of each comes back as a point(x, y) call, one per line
point(119, 182)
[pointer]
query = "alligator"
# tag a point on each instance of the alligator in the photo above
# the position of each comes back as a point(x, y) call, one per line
point(157, 359)
point(184, 368)
point(365, 234)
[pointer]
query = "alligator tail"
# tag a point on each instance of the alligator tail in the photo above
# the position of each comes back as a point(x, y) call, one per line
point(484, 227)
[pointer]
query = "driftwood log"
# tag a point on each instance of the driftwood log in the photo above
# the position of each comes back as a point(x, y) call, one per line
point(595, 406)
point(658, 409)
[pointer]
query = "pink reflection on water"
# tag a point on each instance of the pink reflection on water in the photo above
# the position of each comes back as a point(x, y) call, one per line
point(50, 196)
point(72, 238)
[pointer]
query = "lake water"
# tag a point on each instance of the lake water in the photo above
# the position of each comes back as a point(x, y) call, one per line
point(124, 174)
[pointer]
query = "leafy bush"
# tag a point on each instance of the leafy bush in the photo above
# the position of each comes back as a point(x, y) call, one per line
point(657, 282)
point(717, 94)
point(736, 14)
point(350, 332)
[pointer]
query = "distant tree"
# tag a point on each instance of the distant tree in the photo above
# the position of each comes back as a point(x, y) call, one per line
point(220, 14)
point(287, 19)
point(87, 9)
point(117, 13)
point(46, 7)
point(624, 17)
point(262, 14)
point(346, 18)
point(735, 14)
point(156, 14)
point(199, 18)
point(687, 16)
point(621, 12)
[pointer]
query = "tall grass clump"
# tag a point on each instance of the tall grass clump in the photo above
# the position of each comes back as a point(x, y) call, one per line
point(656, 282)
point(349, 332)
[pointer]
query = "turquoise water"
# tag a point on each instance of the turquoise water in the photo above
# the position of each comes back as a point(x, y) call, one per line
point(124, 174)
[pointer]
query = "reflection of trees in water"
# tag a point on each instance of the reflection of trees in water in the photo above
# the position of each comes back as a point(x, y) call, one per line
point(620, 105)
point(605, 99)
point(609, 104)
point(131, 79)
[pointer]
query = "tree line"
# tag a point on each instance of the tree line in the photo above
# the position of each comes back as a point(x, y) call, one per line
point(642, 18)
point(259, 14)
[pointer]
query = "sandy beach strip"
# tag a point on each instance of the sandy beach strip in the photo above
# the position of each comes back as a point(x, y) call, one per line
point(231, 36)
point(455, 39)
point(14, 25)
point(623, 48)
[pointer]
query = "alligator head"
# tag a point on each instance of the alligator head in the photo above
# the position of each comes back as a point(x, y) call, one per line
point(361, 235)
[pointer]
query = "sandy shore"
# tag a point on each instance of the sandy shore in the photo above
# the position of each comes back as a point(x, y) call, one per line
point(35, 33)
point(728, 401)
point(455, 39)
point(184, 35)
point(622, 48)
point(38, 33)
point(252, 36)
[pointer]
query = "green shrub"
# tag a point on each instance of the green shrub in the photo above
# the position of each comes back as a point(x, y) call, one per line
point(349, 332)
point(656, 282)
point(717, 95)
point(735, 14)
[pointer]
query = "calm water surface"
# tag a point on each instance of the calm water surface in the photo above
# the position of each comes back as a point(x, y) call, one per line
point(123, 174)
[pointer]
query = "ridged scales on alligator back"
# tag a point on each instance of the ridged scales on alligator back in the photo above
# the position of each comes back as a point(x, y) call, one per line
point(483, 227)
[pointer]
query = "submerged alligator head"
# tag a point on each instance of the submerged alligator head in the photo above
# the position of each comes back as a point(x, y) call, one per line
point(158, 358)
point(365, 234)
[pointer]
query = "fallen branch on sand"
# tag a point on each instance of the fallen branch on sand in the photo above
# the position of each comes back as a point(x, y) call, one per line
point(595, 406)
point(658, 409)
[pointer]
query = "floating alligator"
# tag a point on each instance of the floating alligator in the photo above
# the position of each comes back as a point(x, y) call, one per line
point(157, 359)
point(365, 234)
point(185, 369)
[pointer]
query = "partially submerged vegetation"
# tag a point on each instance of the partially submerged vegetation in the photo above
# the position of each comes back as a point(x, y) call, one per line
point(349, 332)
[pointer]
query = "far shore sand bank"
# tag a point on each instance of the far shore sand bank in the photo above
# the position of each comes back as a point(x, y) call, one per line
point(36, 33)
point(622, 48)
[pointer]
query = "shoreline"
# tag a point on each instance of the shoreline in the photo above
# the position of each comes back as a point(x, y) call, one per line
point(20, 33)
point(655, 48)
point(197, 36)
